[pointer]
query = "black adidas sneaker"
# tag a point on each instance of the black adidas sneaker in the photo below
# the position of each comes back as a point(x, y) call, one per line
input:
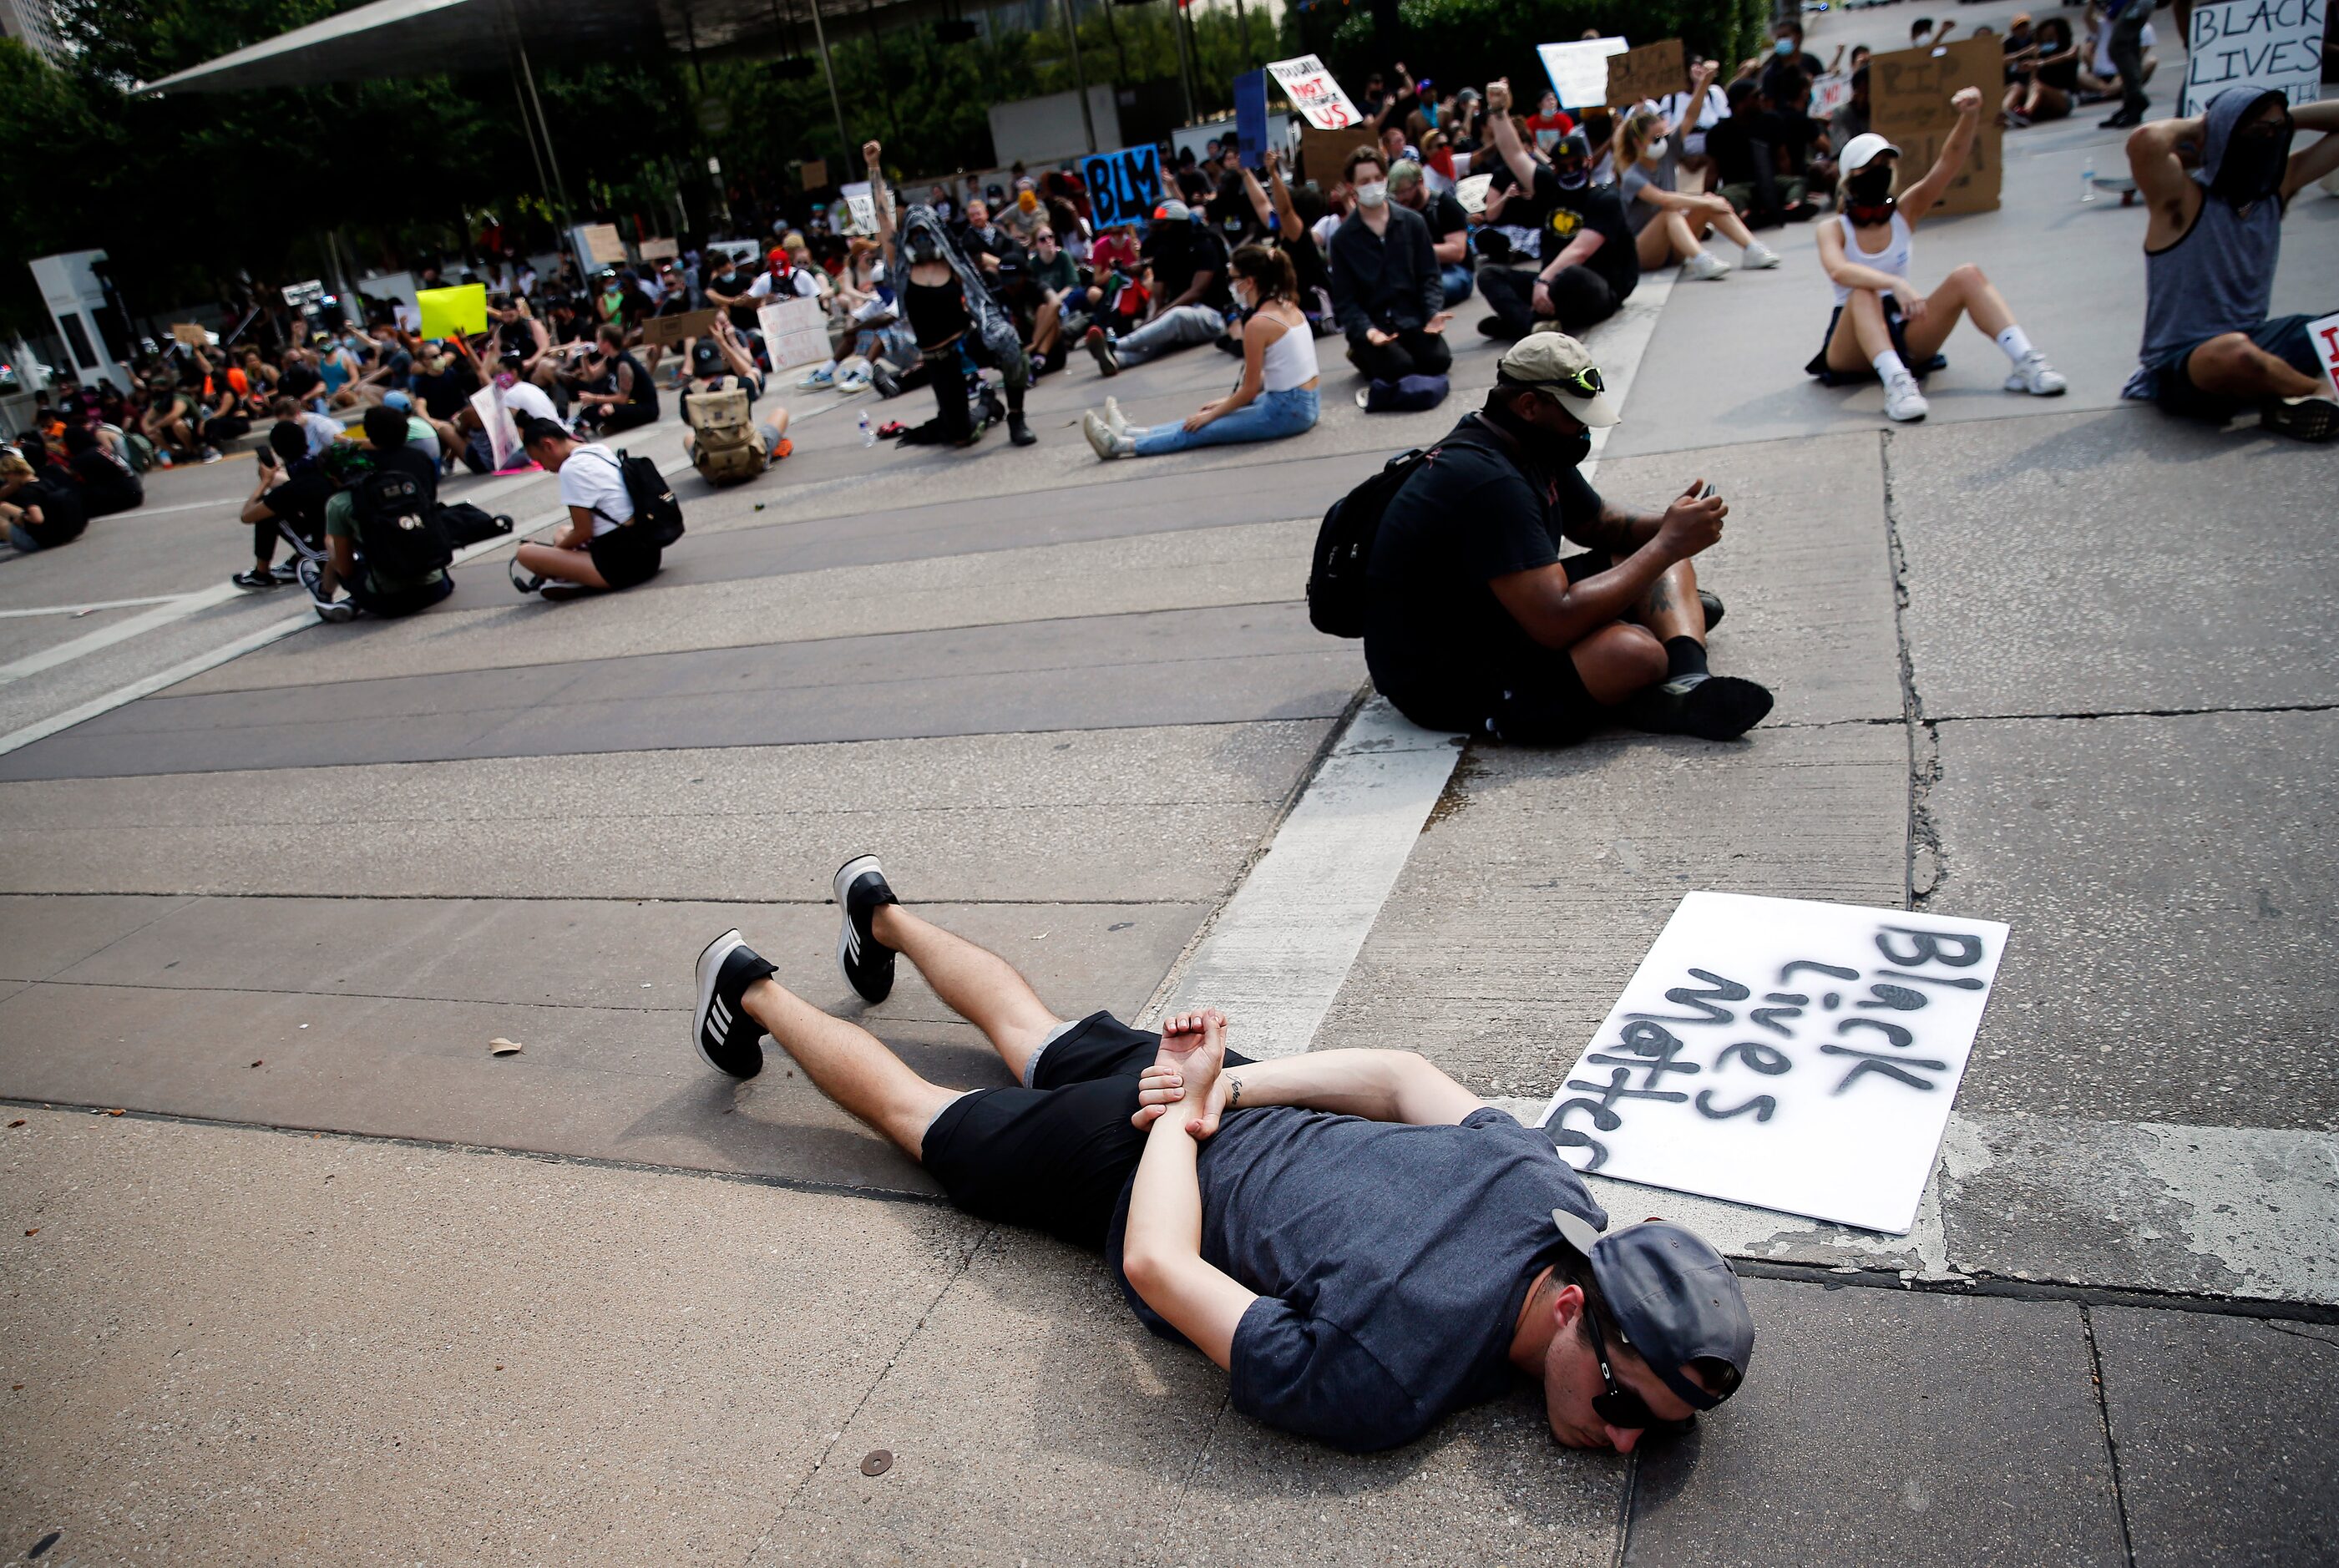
point(868, 963)
point(725, 1035)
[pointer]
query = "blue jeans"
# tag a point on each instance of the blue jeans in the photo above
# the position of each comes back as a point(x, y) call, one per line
point(23, 541)
point(1269, 417)
point(1456, 278)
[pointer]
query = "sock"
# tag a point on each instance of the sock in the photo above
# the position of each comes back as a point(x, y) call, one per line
point(1684, 656)
point(1889, 367)
point(2015, 342)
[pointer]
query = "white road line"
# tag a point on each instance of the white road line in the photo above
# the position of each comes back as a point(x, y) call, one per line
point(65, 653)
point(1281, 947)
point(84, 609)
point(187, 669)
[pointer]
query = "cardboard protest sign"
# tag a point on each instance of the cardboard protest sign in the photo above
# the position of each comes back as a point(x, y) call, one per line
point(814, 171)
point(1579, 70)
point(601, 243)
point(1785, 1054)
point(666, 331)
point(190, 333)
point(2275, 45)
point(2324, 335)
point(307, 293)
point(1908, 93)
point(1124, 187)
point(503, 432)
point(863, 205)
point(1314, 93)
point(1324, 154)
point(453, 312)
point(1650, 70)
point(1830, 92)
point(660, 250)
point(795, 332)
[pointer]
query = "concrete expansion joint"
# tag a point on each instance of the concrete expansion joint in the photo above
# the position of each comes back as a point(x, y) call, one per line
point(1926, 865)
point(2270, 1310)
point(2111, 1440)
point(2140, 713)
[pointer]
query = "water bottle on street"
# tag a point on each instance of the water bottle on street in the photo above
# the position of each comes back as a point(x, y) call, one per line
point(2087, 180)
point(868, 435)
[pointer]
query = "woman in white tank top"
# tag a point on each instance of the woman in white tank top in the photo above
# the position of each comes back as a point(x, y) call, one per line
point(1882, 327)
point(1277, 396)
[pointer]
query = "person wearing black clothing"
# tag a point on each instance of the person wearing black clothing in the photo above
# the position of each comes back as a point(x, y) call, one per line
point(1385, 282)
point(1589, 260)
point(955, 319)
point(616, 392)
point(1449, 227)
point(288, 502)
point(1475, 622)
point(370, 590)
point(107, 485)
point(41, 508)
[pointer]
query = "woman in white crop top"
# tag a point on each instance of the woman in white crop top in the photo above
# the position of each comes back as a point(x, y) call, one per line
point(1277, 396)
point(1882, 327)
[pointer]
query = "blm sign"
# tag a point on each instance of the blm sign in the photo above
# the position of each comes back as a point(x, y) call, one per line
point(1123, 186)
point(2275, 45)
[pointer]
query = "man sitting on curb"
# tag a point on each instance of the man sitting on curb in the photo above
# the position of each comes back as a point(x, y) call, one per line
point(1475, 623)
point(2210, 245)
point(1352, 1235)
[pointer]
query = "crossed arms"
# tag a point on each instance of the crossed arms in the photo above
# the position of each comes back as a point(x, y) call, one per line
point(1180, 1100)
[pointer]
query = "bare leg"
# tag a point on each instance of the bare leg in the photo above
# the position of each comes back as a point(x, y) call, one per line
point(1680, 236)
point(1672, 609)
point(1728, 223)
point(977, 984)
point(568, 566)
point(2230, 366)
point(1861, 333)
point(1967, 292)
point(850, 1065)
point(1618, 660)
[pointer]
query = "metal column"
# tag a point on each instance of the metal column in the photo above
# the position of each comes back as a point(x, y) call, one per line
point(828, 68)
point(1079, 77)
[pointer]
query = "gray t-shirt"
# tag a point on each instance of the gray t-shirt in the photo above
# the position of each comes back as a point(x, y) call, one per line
point(1391, 1262)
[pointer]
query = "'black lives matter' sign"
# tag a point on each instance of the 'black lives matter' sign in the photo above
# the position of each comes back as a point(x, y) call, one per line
point(1124, 187)
point(2275, 45)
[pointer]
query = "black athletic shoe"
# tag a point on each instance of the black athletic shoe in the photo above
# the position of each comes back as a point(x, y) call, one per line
point(1710, 707)
point(257, 582)
point(884, 377)
point(2301, 418)
point(725, 1035)
point(1713, 609)
point(868, 964)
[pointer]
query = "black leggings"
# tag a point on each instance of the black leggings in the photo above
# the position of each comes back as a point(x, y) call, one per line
point(621, 417)
point(945, 371)
point(1581, 296)
point(1413, 353)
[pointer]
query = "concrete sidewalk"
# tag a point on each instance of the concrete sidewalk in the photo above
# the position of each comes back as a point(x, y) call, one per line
point(340, 1286)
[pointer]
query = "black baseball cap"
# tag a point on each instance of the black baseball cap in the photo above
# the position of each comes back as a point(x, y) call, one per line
point(1674, 1297)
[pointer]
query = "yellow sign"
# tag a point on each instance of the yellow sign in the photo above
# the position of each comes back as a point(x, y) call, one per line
point(450, 312)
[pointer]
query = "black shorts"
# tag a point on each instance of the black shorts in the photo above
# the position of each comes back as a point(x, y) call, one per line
point(624, 556)
point(1057, 1156)
point(2284, 337)
point(1538, 697)
point(1894, 323)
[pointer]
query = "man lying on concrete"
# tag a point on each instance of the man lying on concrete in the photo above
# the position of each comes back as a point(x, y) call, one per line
point(1353, 1236)
point(2210, 245)
point(1475, 623)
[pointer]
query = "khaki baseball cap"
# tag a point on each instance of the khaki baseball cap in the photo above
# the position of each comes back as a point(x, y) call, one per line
point(1561, 369)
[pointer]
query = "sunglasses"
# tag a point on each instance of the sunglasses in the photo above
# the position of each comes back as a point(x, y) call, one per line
point(1618, 1406)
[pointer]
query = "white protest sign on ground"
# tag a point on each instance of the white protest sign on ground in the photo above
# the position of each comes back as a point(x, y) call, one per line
point(795, 332)
point(1790, 1055)
point(1314, 93)
point(2272, 44)
point(864, 205)
point(1579, 70)
point(2324, 335)
point(503, 433)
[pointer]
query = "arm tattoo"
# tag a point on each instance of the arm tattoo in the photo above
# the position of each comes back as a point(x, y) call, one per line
point(1234, 1091)
point(1613, 530)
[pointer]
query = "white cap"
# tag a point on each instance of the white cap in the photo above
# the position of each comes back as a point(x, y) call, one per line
point(1861, 149)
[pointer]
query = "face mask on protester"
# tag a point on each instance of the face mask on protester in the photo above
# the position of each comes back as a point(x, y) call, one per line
point(2254, 163)
point(1373, 194)
point(1244, 300)
point(1867, 193)
point(507, 379)
point(1655, 151)
point(1784, 46)
point(1572, 175)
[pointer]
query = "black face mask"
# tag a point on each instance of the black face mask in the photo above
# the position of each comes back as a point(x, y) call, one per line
point(1572, 176)
point(1870, 187)
point(2254, 165)
point(922, 249)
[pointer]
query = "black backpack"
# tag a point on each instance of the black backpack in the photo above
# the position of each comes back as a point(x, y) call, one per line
point(465, 524)
point(656, 511)
point(401, 539)
point(1344, 547)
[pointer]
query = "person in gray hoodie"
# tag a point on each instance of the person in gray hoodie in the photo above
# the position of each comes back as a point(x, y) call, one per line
point(2210, 350)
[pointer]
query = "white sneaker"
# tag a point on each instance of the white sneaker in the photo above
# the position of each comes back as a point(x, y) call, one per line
point(2034, 376)
point(814, 381)
point(848, 385)
point(1705, 264)
point(1112, 416)
point(1902, 401)
point(1759, 257)
point(1108, 443)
